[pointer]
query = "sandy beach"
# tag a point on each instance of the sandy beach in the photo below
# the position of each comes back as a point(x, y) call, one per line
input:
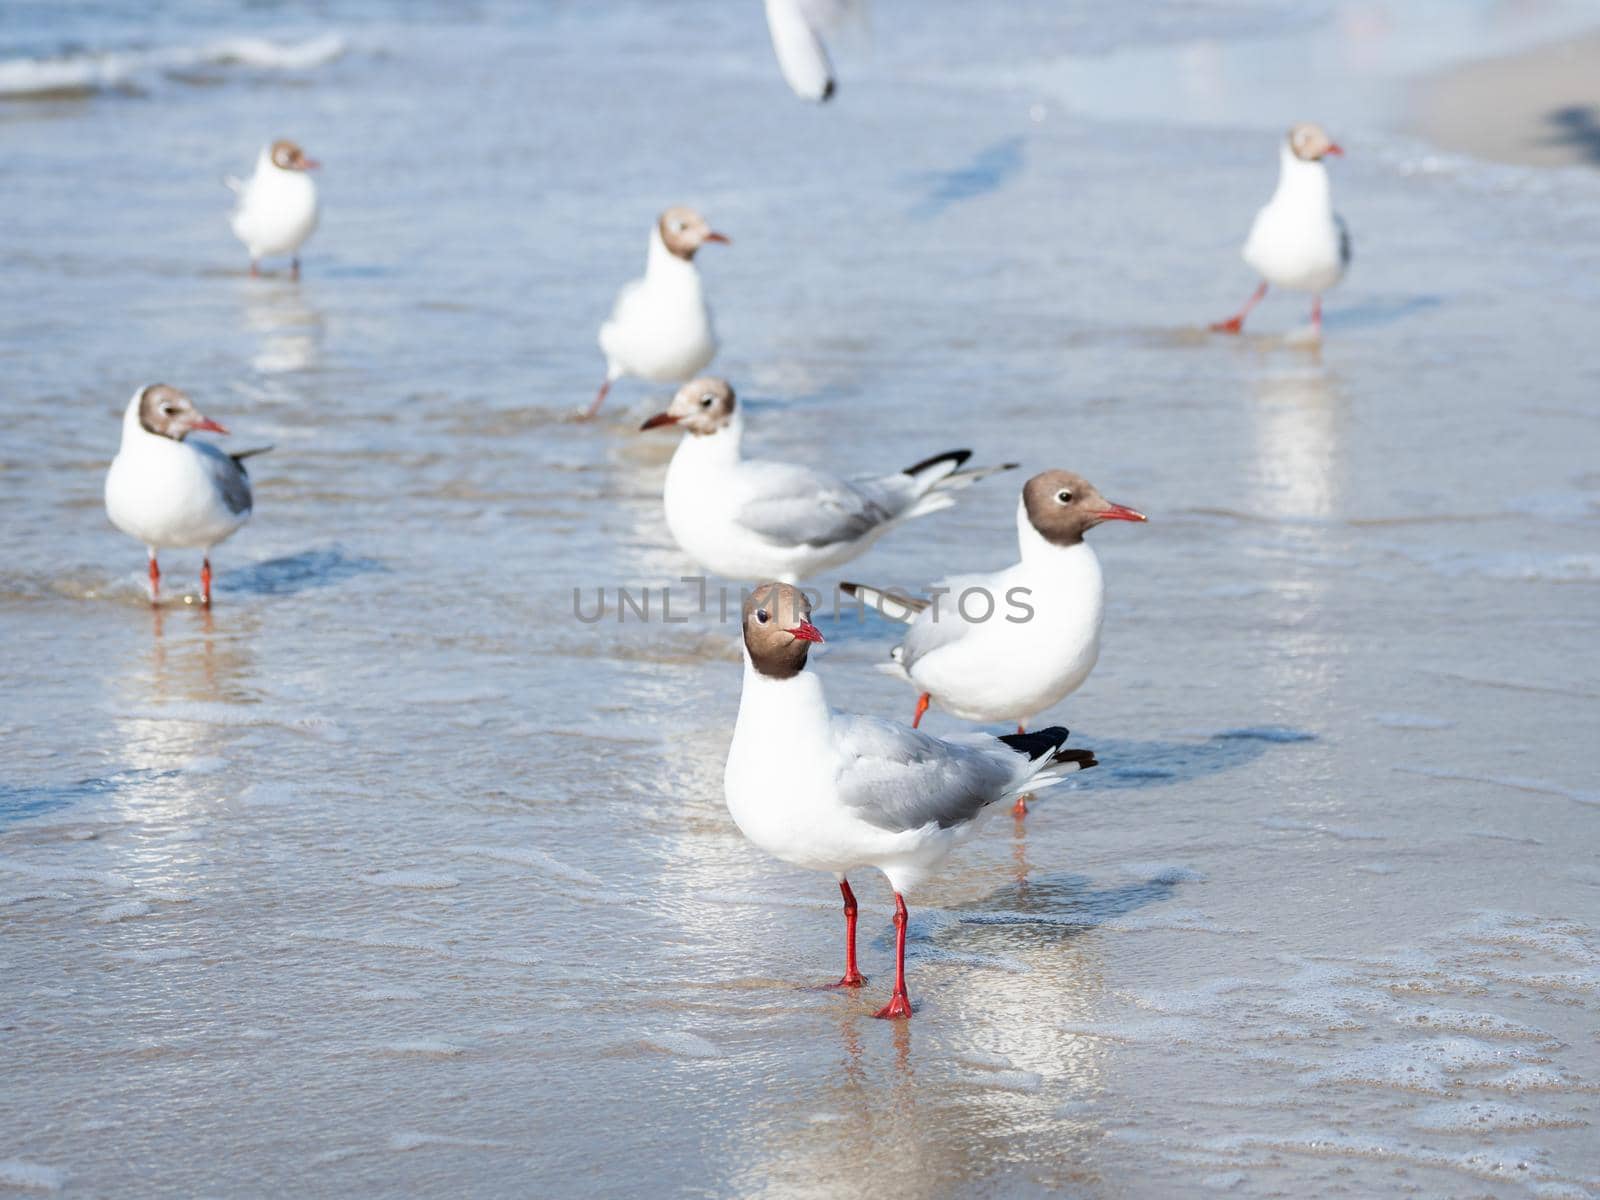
point(1540, 107)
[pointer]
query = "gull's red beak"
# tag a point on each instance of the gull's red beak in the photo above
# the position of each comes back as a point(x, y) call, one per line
point(1334, 148)
point(206, 425)
point(657, 421)
point(308, 164)
point(719, 237)
point(805, 632)
point(1120, 512)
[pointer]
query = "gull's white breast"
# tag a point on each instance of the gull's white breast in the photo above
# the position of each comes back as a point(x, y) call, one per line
point(277, 211)
point(165, 494)
point(1010, 670)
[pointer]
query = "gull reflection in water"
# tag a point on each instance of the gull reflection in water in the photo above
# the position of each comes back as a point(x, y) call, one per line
point(1300, 420)
point(290, 328)
point(170, 702)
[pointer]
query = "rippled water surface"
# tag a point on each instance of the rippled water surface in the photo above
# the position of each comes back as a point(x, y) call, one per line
point(389, 874)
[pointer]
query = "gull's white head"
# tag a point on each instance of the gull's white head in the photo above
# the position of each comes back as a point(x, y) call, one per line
point(777, 630)
point(1063, 506)
point(684, 231)
point(287, 156)
point(167, 412)
point(701, 406)
point(1309, 142)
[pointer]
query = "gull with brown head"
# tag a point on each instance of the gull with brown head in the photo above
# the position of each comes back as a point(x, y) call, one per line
point(1297, 241)
point(748, 518)
point(1008, 645)
point(834, 791)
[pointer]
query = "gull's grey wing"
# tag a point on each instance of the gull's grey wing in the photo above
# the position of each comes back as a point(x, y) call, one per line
point(900, 779)
point(796, 506)
point(941, 624)
point(229, 475)
point(1344, 240)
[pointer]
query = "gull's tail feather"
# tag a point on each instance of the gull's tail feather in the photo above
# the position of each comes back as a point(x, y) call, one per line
point(1048, 756)
point(930, 471)
point(933, 478)
point(895, 606)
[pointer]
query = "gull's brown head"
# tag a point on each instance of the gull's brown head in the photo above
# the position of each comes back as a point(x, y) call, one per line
point(167, 412)
point(1311, 142)
point(288, 156)
point(684, 231)
point(1063, 506)
point(700, 406)
point(777, 630)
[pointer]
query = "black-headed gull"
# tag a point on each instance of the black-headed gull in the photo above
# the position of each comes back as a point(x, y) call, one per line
point(1008, 645)
point(753, 519)
point(1297, 242)
point(276, 209)
point(834, 791)
point(172, 493)
point(660, 327)
point(801, 55)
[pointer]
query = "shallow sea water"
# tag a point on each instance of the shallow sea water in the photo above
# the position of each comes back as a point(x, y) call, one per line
point(390, 874)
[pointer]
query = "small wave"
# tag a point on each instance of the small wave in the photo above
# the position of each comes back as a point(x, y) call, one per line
point(15, 1173)
point(112, 70)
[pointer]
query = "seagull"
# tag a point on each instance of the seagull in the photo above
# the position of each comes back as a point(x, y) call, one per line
point(1008, 645)
point(833, 791)
point(660, 328)
point(172, 493)
point(1297, 242)
point(802, 57)
point(276, 209)
point(754, 519)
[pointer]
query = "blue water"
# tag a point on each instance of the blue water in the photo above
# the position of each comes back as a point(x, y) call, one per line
point(389, 875)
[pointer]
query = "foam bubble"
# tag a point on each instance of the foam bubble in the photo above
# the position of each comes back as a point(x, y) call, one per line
point(1487, 1116)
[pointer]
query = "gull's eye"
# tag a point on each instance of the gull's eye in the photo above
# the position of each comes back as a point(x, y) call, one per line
point(168, 410)
point(707, 400)
point(1064, 496)
point(679, 226)
point(761, 615)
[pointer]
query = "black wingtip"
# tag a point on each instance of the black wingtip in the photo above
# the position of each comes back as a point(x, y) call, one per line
point(827, 91)
point(1084, 758)
point(1040, 741)
point(950, 456)
point(849, 589)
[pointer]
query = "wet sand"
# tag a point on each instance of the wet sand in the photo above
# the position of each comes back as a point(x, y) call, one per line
point(1540, 107)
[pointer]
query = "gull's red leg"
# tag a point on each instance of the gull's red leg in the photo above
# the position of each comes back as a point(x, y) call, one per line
point(1235, 323)
point(900, 1003)
point(600, 398)
point(255, 269)
point(205, 581)
point(294, 268)
point(155, 579)
point(1020, 808)
point(1316, 315)
point(922, 707)
point(852, 977)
